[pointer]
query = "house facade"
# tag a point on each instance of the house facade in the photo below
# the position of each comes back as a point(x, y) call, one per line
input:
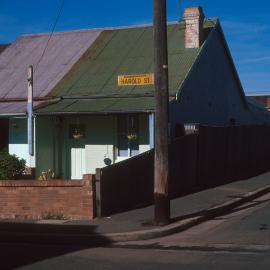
point(75, 145)
point(85, 120)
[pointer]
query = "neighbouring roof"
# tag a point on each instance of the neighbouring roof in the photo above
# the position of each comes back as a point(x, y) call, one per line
point(3, 47)
point(13, 108)
point(121, 52)
point(63, 51)
point(253, 102)
point(258, 94)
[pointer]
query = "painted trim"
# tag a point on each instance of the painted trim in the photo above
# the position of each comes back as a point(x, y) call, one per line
point(152, 130)
point(30, 123)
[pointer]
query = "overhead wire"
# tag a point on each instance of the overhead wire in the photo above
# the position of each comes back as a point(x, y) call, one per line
point(179, 10)
point(51, 34)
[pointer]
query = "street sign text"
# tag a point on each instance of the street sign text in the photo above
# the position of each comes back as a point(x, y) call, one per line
point(138, 79)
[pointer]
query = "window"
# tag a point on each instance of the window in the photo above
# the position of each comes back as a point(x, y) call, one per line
point(128, 135)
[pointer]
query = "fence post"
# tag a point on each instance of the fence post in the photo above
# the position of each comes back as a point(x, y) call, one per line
point(89, 194)
point(198, 163)
point(98, 193)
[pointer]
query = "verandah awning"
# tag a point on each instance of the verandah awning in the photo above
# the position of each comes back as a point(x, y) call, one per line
point(99, 106)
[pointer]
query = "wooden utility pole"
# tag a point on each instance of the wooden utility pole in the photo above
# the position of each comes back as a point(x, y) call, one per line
point(162, 202)
point(30, 111)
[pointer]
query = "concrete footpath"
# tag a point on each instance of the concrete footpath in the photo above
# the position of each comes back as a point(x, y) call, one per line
point(135, 225)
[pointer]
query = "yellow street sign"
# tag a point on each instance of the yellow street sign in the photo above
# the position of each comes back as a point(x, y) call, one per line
point(138, 79)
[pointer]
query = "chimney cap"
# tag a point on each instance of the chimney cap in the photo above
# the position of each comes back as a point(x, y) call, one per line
point(192, 12)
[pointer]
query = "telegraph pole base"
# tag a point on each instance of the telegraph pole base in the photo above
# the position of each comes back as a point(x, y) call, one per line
point(162, 210)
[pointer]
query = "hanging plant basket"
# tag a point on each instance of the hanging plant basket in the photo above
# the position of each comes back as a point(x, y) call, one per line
point(132, 137)
point(77, 135)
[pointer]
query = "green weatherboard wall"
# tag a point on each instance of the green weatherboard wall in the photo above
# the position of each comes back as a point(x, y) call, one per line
point(55, 146)
point(18, 143)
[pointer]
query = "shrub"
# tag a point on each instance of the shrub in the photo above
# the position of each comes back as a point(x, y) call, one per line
point(10, 166)
point(53, 215)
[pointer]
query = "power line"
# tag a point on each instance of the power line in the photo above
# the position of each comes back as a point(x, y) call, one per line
point(51, 34)
point(179, 10)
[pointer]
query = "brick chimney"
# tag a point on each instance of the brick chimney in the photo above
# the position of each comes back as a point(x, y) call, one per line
point(194, 35)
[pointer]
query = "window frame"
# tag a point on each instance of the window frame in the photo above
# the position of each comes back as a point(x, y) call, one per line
point(128, 130)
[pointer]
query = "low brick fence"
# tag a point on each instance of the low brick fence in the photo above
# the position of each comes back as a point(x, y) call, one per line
point(32, 199)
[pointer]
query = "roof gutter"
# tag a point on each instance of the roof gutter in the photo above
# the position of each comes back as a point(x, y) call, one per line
point(109, 97)
point(24, 99)
point(104, 97)
point(91, 113)
point(12, 114)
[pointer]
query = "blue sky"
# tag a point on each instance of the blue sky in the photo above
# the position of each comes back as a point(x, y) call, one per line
point(246, 25)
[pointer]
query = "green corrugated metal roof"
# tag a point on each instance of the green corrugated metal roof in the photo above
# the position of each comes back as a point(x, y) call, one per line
point(121, 52)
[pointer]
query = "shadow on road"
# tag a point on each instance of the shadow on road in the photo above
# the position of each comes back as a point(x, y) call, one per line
point(237, 209)
point(23, 244)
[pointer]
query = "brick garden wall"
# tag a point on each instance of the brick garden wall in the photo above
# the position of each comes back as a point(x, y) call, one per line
point(31, 199)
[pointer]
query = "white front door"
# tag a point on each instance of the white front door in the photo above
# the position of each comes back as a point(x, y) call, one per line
point(77, 163)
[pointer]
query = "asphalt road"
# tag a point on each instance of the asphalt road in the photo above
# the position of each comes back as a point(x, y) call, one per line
point(134, 259)
point(238, 240)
